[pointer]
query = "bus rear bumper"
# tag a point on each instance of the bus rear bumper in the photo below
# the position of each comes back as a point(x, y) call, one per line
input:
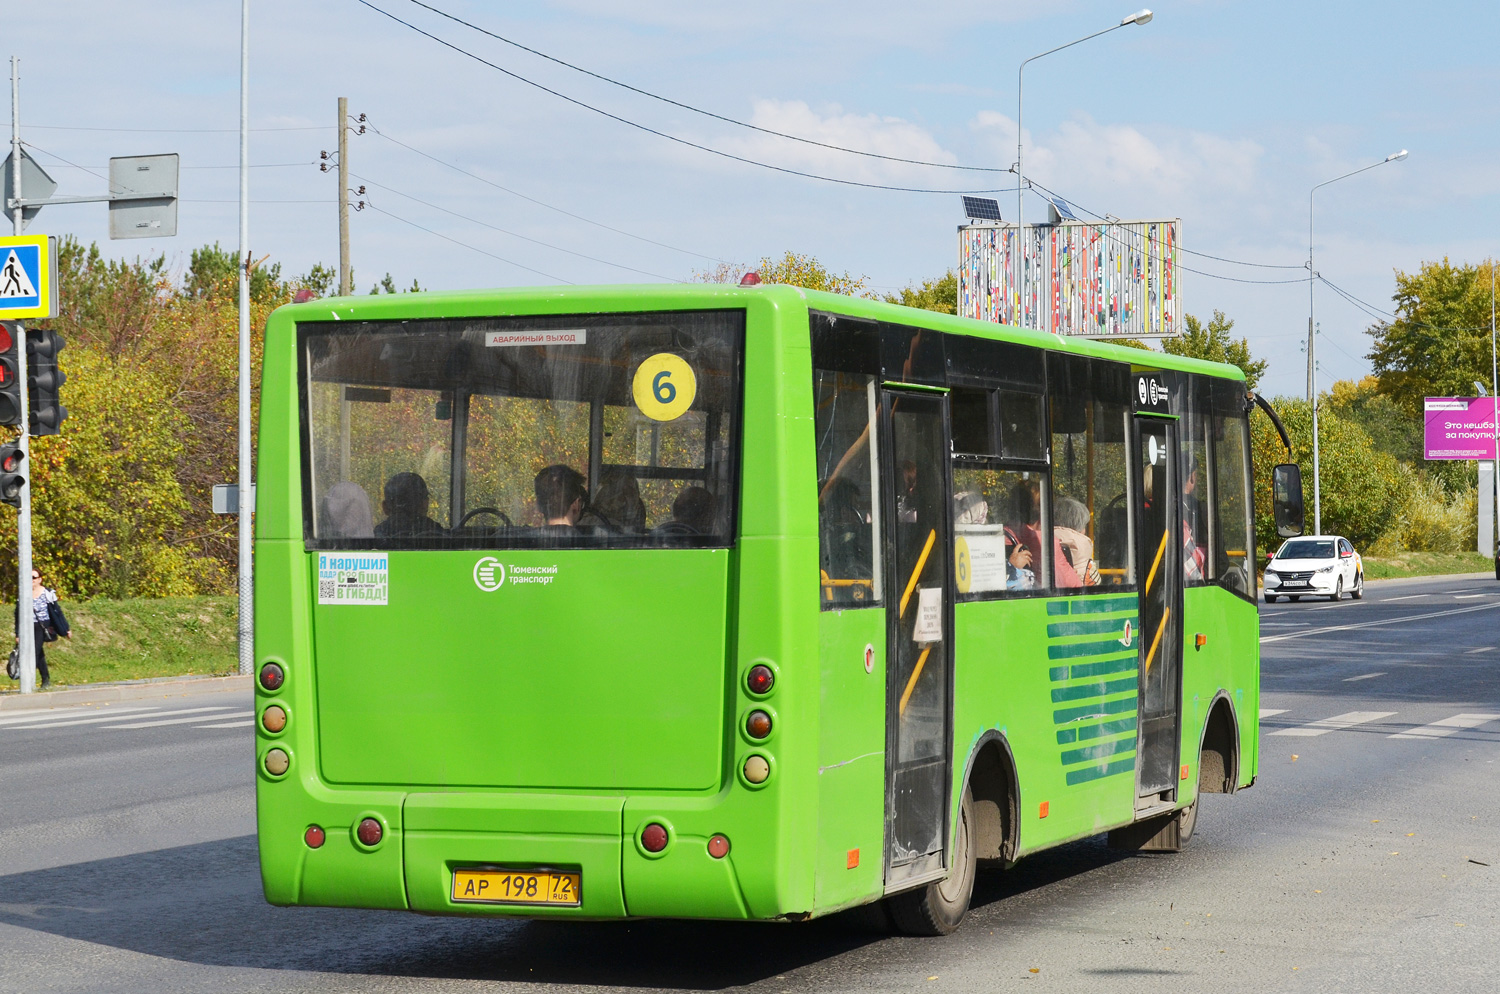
point(446, 832)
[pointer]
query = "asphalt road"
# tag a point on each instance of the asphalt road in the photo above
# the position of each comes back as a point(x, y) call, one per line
point(1366, 858)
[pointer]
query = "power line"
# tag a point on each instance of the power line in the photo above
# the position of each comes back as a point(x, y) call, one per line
point(513, 234)
point(539, 203)
point(662, 134)
point(1387, 317)
point(700, 110)
point(471, 248)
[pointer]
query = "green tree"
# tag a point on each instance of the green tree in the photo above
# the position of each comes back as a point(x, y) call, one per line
point(1364, 490)
point(1439, 342)
point(939, 295)
point(1213, 342)
point(791, 269)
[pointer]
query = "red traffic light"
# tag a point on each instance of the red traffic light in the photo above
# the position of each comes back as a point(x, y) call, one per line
point(10, 459)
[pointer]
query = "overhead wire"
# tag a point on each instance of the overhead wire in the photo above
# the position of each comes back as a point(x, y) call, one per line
point(699, 110)
point(513, 234)
point(658, 133)
point(471, 248)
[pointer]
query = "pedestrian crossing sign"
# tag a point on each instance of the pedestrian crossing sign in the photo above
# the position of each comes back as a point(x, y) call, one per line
point(28, 277)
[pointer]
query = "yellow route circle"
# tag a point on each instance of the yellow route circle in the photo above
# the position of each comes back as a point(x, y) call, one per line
point(664, 387)
point(963, 571)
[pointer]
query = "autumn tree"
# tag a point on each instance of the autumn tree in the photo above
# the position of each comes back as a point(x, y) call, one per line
point(790, 269)
point(1213, 342)
point(939, 295)
point(1439, 342)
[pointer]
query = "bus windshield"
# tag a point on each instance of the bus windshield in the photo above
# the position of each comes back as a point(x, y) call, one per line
point(593, 431)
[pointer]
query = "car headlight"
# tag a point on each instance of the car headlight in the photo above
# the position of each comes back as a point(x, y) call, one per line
point(1329, 569)
point(1272, 579)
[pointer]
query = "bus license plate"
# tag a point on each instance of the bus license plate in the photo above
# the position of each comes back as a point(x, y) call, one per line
point(517, 887)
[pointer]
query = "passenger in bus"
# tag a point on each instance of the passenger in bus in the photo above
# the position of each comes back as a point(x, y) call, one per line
point(845, 530)
point(346, 512)
point(405, 506)
point(1070, 528)
point(695, 509)
point(1026, 523)
point(561, 497)
point(906, 500)
point(618, 505)
point(970, 508)
point(1018, 572)
point(1194, 540)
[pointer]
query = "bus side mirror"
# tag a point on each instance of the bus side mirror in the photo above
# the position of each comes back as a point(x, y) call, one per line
point(1286, 499)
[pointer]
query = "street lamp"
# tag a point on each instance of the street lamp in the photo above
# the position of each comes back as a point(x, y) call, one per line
point(1312, 345)
point(1139, 17)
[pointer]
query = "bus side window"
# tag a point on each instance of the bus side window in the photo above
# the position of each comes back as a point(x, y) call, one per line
point(848, 482)
point(1091, 504)
point(1232, 523)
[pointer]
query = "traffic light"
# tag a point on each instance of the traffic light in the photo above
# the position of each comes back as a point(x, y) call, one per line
point(10, 386)
point(11, 477)
point(44, 381)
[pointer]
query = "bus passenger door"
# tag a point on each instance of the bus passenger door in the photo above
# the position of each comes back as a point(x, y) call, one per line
point(1159, 565)
point(918, 601)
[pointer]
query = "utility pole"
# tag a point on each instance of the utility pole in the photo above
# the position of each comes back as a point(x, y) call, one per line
point(345, 276)
point(246, 490)
point(25, 629)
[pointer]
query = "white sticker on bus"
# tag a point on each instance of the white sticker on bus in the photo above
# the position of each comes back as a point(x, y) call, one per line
point(354, 578)
point(497, 339)
point(929, 615)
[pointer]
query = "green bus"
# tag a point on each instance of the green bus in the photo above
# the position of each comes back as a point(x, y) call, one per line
point(736, 602)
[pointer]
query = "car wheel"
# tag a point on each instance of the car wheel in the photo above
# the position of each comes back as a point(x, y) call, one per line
point(1359, 586)
point(939, 908)
point(1338, 590)
point(1271, 598)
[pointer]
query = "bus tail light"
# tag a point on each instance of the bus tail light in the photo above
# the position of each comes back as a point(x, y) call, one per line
point(760, 679)
point(718, 846)
point(758, 724)
point(273, 719)
point(272, 676)
point(654, 838)
point(757, 769)
point(314, 836)
point(370, 832)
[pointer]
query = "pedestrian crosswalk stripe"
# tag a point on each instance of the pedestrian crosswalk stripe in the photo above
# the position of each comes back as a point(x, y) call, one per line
point(182, 721)
point(1448, 726)
point(1271, 712)
point(95, 720)
point(1336, 723)
point(51, 716)
point(233, 724)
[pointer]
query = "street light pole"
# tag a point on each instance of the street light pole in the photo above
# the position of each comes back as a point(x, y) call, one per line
point(1312, 338)
point(246, 489)
point(1139, 17)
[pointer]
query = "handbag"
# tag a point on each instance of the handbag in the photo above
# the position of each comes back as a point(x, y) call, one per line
point(49, 634)
point(13, 664)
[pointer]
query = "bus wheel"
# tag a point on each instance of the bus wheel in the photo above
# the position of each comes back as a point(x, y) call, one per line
point(939, 908)
point(1187, 821)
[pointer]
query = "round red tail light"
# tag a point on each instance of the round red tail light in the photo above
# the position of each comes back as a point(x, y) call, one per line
point(718, 846)
point(760, 679)
point(654, 838)
point(314, 837)
point(758, 724)
point(272, 676)
point(370, 832)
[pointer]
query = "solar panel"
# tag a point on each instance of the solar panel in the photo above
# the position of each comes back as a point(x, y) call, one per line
point(981, 209)
point(1064, 211)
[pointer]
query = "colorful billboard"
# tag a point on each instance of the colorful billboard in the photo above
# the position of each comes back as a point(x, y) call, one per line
point(1459, 427)
point(1115, 279)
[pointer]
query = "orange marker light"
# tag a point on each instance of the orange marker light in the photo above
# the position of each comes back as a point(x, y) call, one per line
point(853, 860)
point(1200, 640)
point(1042, 811)
point(1184, 772)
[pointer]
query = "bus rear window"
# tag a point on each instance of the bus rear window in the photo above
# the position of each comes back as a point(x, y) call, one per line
point(539, 432)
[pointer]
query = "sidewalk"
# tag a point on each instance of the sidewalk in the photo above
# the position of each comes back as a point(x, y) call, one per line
point(132, 690)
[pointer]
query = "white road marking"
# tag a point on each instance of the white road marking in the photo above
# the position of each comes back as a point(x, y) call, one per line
point(233, 724)
point(1334, 724)
point(1271, 712)
point(1378, 624)
point(182, 721)
point(27, 719)
point(1483, 648)
point(1404, 597)
point(1467, 597)
point(97, 719)
point(1363, 676)
point(1447, 726)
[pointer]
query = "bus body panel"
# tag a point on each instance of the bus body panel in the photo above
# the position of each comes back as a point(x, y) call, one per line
point(1228, 662)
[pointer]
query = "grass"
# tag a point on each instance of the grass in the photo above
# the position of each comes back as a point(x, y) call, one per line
point(142, 638)
point(1425, 564)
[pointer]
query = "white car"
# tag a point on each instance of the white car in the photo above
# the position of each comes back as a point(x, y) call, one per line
point(1319, 565)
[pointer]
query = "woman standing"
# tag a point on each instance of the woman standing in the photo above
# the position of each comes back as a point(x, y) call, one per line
point(48, 623)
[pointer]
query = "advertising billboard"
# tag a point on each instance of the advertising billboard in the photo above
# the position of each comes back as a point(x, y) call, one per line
point(1103, 280)
point(1459, 427)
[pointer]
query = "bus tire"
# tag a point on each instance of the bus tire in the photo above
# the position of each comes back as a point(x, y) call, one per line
point(939, 907)
point(1187, 822)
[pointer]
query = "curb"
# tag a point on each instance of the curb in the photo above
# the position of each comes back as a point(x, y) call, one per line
point(132, 691)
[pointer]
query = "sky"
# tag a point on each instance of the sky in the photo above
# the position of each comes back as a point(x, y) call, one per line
point(1222, 114)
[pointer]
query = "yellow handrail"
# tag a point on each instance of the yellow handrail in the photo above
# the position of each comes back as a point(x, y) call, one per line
point(921, 561)
point(911, 684)
point(1157, 562)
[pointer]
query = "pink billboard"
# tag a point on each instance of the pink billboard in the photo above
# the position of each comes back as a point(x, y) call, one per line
point(1459, 427)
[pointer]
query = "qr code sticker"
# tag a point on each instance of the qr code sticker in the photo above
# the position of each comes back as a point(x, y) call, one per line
point(325, 589)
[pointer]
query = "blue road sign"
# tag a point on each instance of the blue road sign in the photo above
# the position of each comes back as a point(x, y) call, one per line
point(27, 273)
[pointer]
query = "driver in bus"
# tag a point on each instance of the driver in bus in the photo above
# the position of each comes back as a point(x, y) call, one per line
point(561, 497)
point(405, 506)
